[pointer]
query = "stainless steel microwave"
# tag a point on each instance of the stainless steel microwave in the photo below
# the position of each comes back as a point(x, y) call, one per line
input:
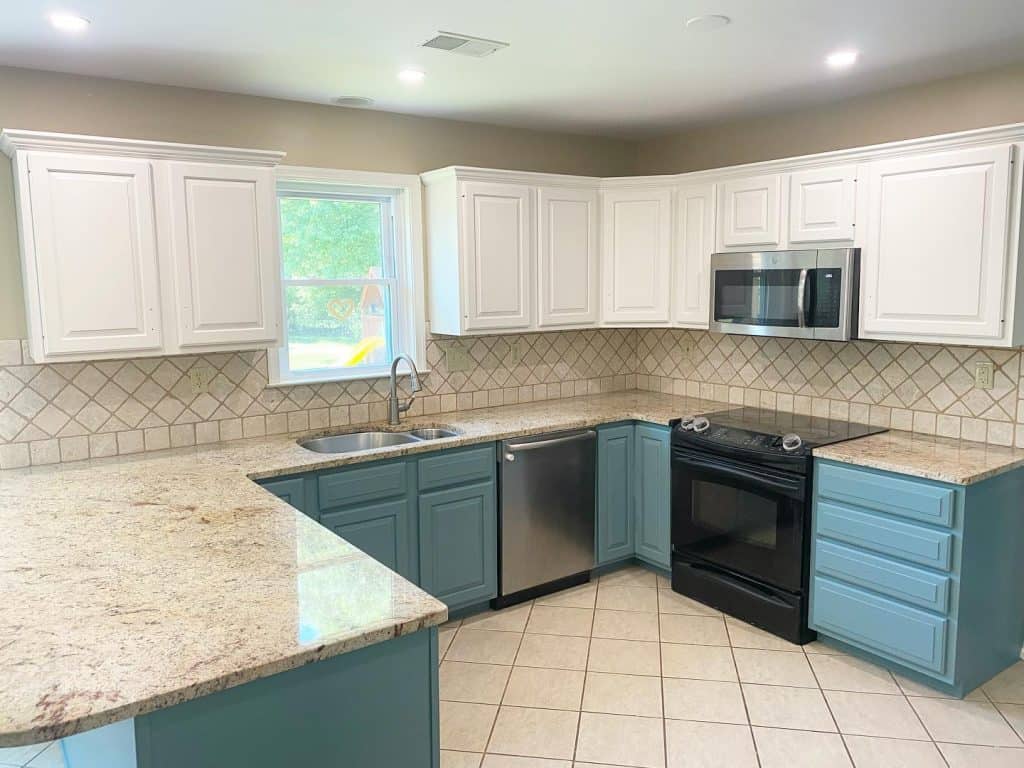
point(794, 294)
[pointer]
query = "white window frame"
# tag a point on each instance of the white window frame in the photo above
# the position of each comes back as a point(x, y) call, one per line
point(407, 286)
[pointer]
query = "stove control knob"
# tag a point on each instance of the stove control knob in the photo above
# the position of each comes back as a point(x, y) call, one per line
point(791, 442)
point(686, 424)
point(701, 424)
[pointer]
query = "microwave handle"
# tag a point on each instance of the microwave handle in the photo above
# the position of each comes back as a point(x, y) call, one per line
point(801, 290)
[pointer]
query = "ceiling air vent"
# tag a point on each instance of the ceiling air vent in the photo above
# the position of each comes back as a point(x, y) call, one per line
point(477, 47)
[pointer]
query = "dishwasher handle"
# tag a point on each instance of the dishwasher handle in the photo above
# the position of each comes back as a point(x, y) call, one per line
point(511, 448)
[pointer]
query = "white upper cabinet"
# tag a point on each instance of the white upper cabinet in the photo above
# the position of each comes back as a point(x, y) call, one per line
point(224, 249)
point(749, 212)
point(498, 251)
point(92, 280)
point(822, 204)
point(567, 257)
point(636, 255)
point(134, 248)
point(935, 250)
point(694, 244)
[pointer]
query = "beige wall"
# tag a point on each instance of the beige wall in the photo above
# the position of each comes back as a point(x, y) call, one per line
point(979, 100)
point(311, 134)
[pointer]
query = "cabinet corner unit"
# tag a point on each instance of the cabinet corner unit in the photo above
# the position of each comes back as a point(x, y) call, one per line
point(510, 251)
point(126, 246)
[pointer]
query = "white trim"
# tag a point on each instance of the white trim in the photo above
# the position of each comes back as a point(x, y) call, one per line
point(470, 173)
point(405, 191)
point(14, 140)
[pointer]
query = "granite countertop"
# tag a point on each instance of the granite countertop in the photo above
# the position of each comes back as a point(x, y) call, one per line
point(136, 583)
point(935, 458)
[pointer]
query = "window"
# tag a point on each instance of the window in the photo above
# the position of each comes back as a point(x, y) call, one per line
point(351, 274)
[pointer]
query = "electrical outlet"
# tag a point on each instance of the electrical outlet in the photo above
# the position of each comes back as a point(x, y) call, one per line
point(984, 375)
point(515, 354)
point(457, 358)
point(200, 377)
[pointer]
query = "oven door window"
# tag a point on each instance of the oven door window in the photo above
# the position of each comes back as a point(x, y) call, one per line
point(764, 297)
point(754, 529)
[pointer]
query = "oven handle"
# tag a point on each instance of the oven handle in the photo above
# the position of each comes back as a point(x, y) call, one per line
point(755, 590)
point(792, 487)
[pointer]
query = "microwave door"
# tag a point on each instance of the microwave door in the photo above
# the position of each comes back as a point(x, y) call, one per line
point(763, 302)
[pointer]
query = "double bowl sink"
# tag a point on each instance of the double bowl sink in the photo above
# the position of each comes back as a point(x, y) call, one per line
point(365, 441)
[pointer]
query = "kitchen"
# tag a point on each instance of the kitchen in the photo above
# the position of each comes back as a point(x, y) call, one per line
point(588, 436)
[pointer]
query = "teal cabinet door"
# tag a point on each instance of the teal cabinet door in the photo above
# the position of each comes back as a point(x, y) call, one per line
point(291, 490)
point(615, 456)
point(381, 530)
point(653, 484)
point(458, 544)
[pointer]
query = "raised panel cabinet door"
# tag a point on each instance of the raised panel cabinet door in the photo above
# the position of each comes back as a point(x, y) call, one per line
point(458, 543)
point(615, 456)
point(749, 211)
point(225, 254)
point(497, 255)
point(380, 530)
point(636, 255)
point(95, 246)
point(653, 512)
point(822, 204)
point(694, 244)
point(567, 277)
point(936, 246)
point(291, 490)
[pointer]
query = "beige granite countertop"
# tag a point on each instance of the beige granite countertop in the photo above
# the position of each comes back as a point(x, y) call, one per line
point(935, 458)
point(136, 583)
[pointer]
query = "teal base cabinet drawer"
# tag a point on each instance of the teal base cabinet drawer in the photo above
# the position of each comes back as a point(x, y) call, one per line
point(380, 530)
point(898, 631)
point(367, 482)
point(456, 468)
point(458, 544)
point(919, 575)
point(615, 503)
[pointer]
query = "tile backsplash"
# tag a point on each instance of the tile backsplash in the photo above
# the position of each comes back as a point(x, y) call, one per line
point(71, 411)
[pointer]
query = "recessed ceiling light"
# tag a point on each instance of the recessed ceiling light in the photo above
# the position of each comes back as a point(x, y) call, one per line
point(353, 101)
point(842, 59)
point(68, 22)
point(708, 22)
point(411, 76)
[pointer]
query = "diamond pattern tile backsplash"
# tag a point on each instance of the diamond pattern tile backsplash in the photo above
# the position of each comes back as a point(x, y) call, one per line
point(72, 411)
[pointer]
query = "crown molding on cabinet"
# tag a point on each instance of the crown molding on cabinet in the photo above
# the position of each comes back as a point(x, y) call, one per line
point(470, 173)
point(13, 140)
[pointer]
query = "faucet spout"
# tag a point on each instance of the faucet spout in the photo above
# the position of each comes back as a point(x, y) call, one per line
point(396, 409)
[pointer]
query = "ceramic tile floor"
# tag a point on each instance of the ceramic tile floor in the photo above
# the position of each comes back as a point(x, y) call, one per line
point(624, 672)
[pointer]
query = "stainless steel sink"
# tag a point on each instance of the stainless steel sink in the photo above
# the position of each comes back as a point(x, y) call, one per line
point(365, 441)
point(357, 441)
point(432, 433)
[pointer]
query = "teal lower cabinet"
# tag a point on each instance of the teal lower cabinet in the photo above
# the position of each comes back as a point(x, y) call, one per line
point(615, 502)
point(292, 490)
point(458, 527)
point(380, 530)
point(920, 575)
point(376, 706)
point(653, 481)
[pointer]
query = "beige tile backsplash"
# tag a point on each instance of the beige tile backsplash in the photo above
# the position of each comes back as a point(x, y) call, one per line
point(73, 411)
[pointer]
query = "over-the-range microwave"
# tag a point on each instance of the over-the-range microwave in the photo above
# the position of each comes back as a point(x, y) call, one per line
point(795, 294)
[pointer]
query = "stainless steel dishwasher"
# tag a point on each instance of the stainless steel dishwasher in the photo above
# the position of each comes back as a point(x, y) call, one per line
point(546, 514)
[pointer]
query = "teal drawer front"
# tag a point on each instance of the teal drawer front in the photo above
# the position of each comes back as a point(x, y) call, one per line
point(380, 530)
point(353, 486)
point(880, 574)
point(914, 499)
point(906, 541)
point(880, 625)
point(456, 468)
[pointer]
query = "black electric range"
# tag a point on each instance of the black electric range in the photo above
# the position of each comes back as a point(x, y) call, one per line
point(741, 511)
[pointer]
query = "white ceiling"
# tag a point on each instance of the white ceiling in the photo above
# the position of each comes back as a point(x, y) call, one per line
point(616, 67)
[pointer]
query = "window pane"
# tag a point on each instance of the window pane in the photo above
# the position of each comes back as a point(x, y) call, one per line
point(331, 239)
point(337, 326)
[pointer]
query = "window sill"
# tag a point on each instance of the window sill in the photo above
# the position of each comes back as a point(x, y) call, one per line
point(384, 373)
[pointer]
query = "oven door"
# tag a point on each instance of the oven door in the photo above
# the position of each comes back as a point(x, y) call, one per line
point(739, 516)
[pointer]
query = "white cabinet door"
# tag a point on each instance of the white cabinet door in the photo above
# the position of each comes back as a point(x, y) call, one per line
point(749, 211)
point(567, 253)
point(224, 253)
point(95, 254)
point(497, 255)
point(694, 244)
point(935, 249)
point(636, 255)
point(821, 204)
